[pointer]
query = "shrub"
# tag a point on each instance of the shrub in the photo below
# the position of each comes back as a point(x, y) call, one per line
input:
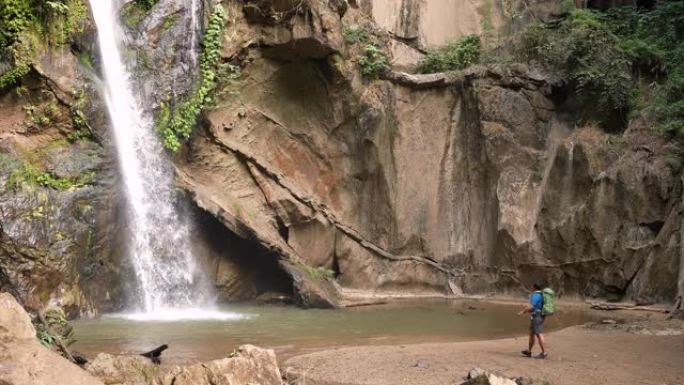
point(654, 42)
point(582, 49)
point(454, 56)
point(373, 62)
point(355, 34)
point(317, 273)
point(27, 175)
point(146, 4)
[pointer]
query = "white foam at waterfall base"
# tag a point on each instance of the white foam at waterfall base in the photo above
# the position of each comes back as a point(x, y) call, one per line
point(187, 314)
point(169, 281)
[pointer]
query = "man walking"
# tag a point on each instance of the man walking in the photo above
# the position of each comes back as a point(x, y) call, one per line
point(534, 309)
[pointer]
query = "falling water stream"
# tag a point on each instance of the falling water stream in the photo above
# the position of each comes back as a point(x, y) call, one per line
point(170, 284)
point(194, 30)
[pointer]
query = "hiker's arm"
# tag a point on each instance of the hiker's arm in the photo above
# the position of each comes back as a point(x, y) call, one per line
point(528, 309)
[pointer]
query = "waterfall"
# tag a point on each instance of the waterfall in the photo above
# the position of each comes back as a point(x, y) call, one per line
point(195, 28)
point(158, 238)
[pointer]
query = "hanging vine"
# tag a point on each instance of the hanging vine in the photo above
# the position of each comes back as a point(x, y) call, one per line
point(175, 124)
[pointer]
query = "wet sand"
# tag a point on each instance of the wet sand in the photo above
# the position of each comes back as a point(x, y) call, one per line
point(578, 355)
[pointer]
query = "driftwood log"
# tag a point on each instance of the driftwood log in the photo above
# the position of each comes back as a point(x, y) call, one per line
point(612, 306)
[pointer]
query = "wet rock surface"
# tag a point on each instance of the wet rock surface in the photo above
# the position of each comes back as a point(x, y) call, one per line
point(56, 197)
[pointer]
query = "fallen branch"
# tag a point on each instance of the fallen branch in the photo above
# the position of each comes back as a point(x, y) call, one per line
point(612, 306)
point(365, 303)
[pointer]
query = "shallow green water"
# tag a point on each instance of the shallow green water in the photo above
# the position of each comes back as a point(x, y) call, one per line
point(291, 331)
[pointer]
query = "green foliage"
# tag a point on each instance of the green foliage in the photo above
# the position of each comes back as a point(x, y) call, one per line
point(176, 124)
point(133, 13)
point(27, 176)
point(146, 4)
point(169, 21)
point(568, 5)
point(654, 42)
point(582, 49)
point(53, 330)
point(43, 115)
point(46, 338)
point(317, 273)
point(15, 74)
point(454, 56)
point(20, 53)
point(27, 24)
point(79, 120)
point(356, 34)
point(15, 17)
point(8, 163)
point(373, 61)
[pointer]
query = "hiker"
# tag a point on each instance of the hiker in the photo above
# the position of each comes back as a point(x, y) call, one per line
point(534, 309)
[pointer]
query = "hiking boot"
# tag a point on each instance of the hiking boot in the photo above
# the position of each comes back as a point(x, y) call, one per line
point(541, 356)
point(526, 353)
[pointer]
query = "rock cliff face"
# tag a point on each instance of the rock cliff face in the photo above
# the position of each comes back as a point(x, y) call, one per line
point(427, 184)
point(58, 243)
point(432, 23)
point(307, 179)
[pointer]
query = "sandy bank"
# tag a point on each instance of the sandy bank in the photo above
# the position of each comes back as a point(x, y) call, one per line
point(579, 355)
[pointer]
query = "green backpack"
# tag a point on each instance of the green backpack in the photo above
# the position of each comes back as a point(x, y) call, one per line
point(549, 302)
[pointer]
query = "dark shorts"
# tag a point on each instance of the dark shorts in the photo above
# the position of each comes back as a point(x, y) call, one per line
point(537, 324)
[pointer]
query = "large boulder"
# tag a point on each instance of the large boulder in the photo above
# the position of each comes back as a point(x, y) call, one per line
point(24, 361)
point(122, 369)
point(247, 365)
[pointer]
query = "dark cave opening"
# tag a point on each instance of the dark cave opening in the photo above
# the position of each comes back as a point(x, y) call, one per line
point(240, 269)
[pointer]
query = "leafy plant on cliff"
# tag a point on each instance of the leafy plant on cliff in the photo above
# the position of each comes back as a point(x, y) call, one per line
point(175, 124)
point(454, 56)
point(28, 175)
point(582, 49)
point(355, 34)
point(654, 42)
point(373, 61)
point(46, 338)
point(28, 26)
point(146, 4)
point(317, 273)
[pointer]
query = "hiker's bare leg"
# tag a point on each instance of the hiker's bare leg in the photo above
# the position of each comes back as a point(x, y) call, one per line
point(540, 337)
point(531, 344)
